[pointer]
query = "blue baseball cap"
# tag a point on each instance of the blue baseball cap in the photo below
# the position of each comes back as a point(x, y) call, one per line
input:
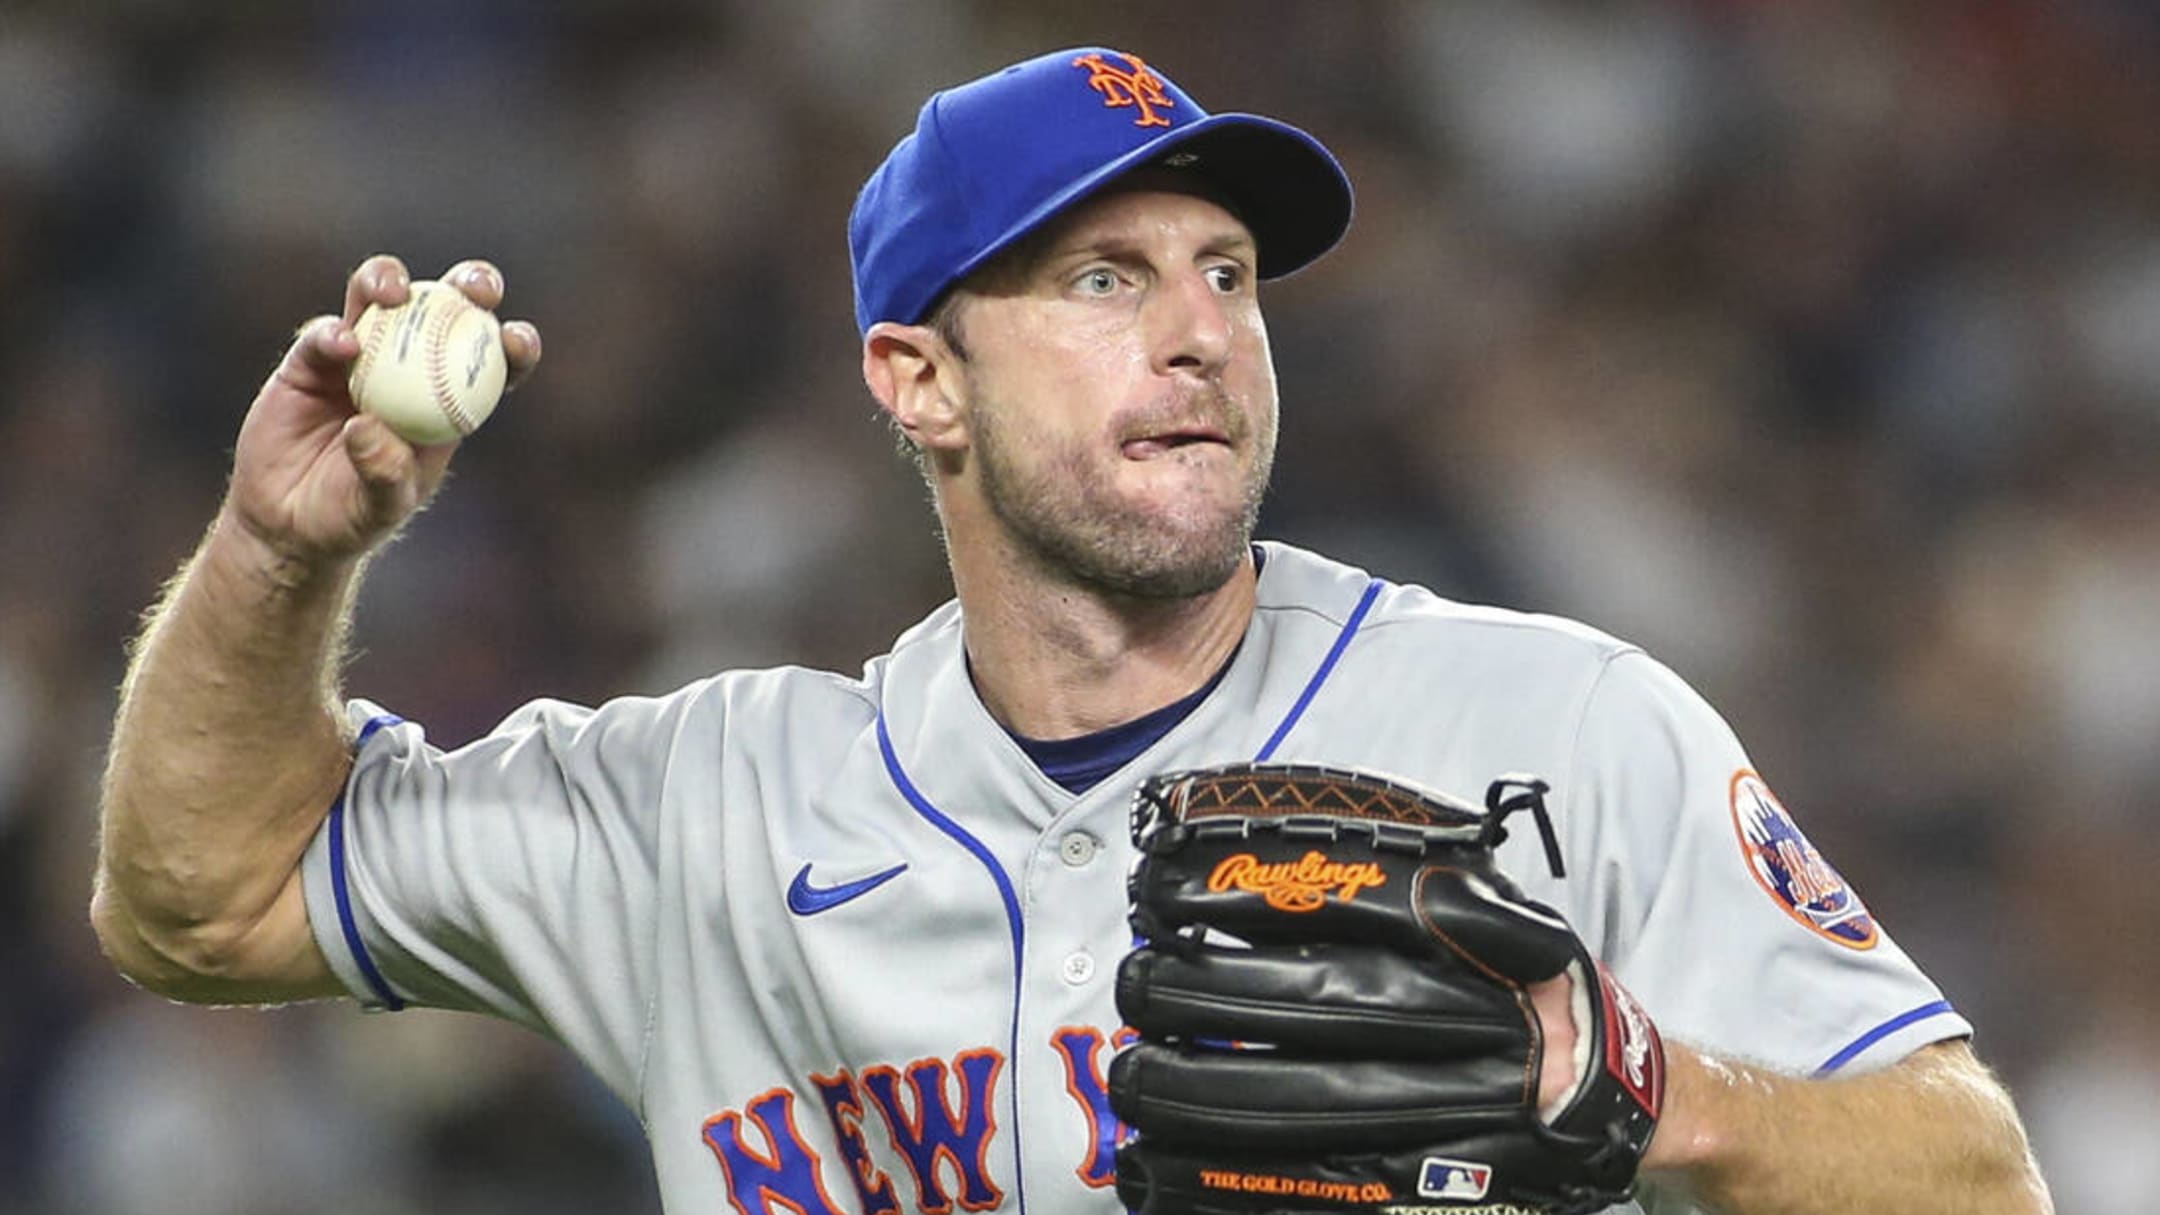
point(994, 159)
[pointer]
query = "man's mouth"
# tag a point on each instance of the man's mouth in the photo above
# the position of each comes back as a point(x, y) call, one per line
point(1147, 447)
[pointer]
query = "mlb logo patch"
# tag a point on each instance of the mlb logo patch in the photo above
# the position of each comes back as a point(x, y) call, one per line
point(1457, 1179)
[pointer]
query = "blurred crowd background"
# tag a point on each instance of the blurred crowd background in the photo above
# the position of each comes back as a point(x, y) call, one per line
point(1815, 347)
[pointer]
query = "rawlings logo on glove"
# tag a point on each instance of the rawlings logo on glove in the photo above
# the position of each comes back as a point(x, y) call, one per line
point(1370, 1044)
point(1301, 885)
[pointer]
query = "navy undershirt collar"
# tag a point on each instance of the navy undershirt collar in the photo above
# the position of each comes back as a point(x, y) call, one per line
point(1078, 763)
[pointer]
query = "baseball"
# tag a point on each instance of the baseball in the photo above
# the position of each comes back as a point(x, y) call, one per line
point(433, 369)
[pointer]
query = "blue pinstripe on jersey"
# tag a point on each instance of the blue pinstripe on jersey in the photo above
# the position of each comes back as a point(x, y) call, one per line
point(1877, 1034)
point(349, 926)
point(1327, 667)
point(937, 818)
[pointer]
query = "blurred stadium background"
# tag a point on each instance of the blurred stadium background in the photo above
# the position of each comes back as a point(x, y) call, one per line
point(1816, 347)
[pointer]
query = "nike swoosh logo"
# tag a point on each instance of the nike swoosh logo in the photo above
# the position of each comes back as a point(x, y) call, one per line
point(806, 899)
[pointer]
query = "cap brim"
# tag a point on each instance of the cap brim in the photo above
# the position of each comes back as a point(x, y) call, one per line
point(1285, 186)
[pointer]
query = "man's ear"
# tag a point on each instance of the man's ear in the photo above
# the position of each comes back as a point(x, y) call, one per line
point(917, 379)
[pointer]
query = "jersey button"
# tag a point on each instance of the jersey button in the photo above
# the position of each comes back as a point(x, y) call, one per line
point(1077, 848)
point(1079, 968)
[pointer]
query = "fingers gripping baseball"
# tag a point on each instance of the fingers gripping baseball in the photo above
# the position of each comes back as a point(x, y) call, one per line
point(315, 479)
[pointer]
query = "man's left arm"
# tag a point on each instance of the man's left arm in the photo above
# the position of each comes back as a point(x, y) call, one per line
point(1932, 1133)
point(1742, 942)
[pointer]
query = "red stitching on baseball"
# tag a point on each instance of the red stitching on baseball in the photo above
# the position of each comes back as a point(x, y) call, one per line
point(438, 368)
point(365, 364)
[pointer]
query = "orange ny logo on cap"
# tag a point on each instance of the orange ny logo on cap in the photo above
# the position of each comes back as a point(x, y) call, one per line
point(1135, 87)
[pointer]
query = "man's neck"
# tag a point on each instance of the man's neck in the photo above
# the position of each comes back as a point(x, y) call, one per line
point(1052, 660)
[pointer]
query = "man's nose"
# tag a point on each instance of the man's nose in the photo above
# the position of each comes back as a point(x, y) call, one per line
point(1192, 327)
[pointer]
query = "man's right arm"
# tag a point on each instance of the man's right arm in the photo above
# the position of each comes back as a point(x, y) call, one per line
point(228, 748)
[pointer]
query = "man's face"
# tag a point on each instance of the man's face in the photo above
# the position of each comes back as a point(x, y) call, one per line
point(1121, 396)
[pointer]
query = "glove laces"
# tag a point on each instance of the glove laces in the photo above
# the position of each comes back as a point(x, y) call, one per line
point(1511, 794)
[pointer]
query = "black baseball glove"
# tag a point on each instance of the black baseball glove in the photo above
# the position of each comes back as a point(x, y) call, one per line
point(1332, 997)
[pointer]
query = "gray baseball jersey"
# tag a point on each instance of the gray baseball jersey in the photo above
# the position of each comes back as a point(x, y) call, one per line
point(844, 947)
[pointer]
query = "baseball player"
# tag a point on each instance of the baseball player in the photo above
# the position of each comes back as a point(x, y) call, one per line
point(864, 943)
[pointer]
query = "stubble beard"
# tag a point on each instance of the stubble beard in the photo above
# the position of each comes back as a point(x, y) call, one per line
point(1072, 523)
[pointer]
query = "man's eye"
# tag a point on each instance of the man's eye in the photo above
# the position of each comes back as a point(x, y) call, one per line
point(1226, 278)
point(1098, 282)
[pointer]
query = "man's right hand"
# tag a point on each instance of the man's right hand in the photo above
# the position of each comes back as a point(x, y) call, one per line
point(229, 748)
point(318, 483)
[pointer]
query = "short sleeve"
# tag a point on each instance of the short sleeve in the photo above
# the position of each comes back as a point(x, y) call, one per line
point(513, 876)
point(1719, 913)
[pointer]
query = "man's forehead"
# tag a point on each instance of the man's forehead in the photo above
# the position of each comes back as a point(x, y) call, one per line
point(1144, 201)
point(1119, 216)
